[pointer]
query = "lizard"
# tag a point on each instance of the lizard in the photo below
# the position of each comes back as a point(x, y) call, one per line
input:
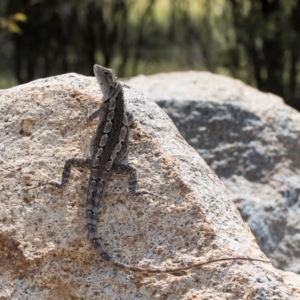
point(108, 154)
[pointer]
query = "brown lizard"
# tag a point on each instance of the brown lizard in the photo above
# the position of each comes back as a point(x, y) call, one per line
point(108, 150)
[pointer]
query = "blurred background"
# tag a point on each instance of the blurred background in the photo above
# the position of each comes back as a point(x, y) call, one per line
point(257, 41)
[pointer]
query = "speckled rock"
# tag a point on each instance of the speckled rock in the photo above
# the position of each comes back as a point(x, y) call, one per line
point(251, 140)
point(45, 252)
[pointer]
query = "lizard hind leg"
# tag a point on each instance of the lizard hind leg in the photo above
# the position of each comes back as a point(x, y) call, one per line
point(125, 169)
point(66, 173)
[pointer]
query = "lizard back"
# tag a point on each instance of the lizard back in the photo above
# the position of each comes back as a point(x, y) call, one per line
point(107, 146)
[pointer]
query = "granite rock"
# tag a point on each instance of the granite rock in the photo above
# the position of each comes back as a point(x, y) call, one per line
point(252, 142)
point(45, 252)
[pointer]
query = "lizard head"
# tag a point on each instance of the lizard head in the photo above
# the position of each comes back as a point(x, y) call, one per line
point(107, 80)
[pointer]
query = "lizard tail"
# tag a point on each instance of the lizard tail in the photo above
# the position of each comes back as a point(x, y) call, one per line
point(109, 259)
point(179, 269)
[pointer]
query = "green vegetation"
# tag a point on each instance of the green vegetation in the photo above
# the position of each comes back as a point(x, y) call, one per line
point(254, 40)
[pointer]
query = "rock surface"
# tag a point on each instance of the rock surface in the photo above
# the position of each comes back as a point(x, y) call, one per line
point(251, 140)
point(44, 249)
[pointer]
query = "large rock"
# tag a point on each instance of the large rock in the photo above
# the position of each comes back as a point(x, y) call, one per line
point(251, 140)
point(44, 249)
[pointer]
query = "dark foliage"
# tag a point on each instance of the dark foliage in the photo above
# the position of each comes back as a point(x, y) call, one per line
point(257, 41)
